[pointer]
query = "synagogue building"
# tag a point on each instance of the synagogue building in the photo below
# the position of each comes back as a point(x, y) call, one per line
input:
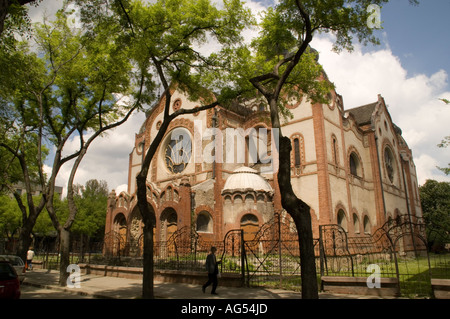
point(214, 171)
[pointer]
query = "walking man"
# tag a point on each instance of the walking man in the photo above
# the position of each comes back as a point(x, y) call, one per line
point(212, 269)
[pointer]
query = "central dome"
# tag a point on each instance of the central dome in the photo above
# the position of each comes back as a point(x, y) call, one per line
point(245, 178)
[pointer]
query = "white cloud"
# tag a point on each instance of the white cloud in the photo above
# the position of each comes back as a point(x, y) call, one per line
point(45, 8)
point(427, 165)
point(107, 157)
point(413, 101)
point(121, 188)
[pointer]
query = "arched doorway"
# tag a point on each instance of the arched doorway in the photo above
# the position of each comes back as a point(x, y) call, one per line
point(120, 235)
point(169, 226)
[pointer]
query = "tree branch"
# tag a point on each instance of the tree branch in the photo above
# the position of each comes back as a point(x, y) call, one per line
point(127, 17)
point(194, 110)
point(304, 45)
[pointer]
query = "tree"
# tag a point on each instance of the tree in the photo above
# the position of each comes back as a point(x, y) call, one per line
point(14, 20)
point(91, 200)
point(435, 201)
point(165, 38)
point(281, 65)
point(21, 142)
point(73, 88)
point(89, 87)
point(9, 217)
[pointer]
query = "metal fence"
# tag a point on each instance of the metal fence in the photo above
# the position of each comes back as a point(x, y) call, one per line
point(399, 249)
point(271, 258)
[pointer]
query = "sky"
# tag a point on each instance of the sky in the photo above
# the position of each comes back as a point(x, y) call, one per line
point(410, 69)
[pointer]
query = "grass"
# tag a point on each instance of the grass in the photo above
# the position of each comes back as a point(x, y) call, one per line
point(414, 274)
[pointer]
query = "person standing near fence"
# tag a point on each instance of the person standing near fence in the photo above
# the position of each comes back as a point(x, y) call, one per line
point(30, 256)
point(212, 267)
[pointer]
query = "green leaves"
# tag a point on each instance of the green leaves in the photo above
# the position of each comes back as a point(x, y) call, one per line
point(9, 216)
point(91, 202)
point(84, 75)
point(435, 201)
point(168, 40)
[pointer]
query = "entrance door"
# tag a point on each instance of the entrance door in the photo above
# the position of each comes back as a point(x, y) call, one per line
point(168, 228)
point(250, 225)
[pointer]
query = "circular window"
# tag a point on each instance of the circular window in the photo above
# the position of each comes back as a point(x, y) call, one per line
point(176, 105)
point(177, 150)
point(389, 163)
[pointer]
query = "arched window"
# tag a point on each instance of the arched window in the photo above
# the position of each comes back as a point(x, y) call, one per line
point(258, 145)
point(354, 164)
point(366, 225)
point(261, 107)
point(335, 150)
point(204, 222)
point(172, 218)
point(249, 219)
point(297, 154)
point(356, 223)
point(342, 219)
point(297, 159)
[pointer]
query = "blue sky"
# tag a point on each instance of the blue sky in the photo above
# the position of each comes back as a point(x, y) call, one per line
point(418, 35)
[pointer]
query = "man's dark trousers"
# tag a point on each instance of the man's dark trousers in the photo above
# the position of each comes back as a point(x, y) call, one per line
point(212, 279)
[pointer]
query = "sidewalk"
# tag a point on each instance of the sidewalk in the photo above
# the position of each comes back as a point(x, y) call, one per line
point(121, 288)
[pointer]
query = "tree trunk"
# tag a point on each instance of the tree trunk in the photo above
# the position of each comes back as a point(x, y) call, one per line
point(64, 249)
point(147, 280)
point(300, 213)
point(24, 242)
point(147, 218)
point(26, 230)
point(295, 207)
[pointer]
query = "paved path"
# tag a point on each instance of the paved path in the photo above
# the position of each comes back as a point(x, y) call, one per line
point(122, 288)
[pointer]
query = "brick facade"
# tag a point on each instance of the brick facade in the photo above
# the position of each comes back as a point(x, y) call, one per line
point(343, 172)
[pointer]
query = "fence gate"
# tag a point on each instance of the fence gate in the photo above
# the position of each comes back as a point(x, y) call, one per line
point(273, 255)
point(233, 254)
point(335, 256)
